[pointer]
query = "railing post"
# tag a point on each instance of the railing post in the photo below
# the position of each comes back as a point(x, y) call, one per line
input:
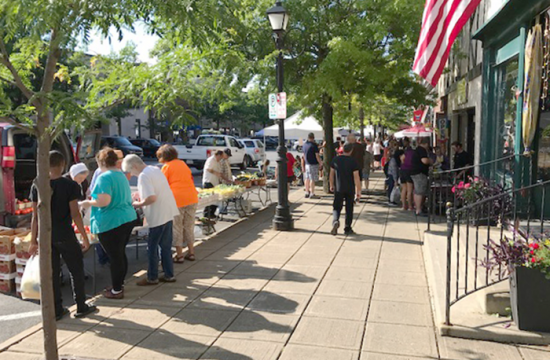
point(430, 197)
point(450, 227)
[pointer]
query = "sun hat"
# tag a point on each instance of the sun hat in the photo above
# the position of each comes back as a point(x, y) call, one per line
point(77, 169)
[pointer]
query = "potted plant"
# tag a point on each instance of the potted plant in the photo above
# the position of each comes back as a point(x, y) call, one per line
point(476, 190)
point(528, 264)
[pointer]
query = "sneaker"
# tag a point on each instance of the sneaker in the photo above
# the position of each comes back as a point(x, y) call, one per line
point(62, 314)
point(110, 295)
point(167, 280)
point(392, 204)
point(335, 227)
point(349, 232)
point(313, 196)
point(87, 311)
point(147, 282)
point(307, 195)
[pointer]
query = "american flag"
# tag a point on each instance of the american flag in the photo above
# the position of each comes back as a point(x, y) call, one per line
point(442, 22)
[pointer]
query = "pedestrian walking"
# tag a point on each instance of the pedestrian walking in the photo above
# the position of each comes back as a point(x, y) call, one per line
point(160, 209)
point(358, 153)
point(112, 218)
point(368, 162)
point(310, 165)
point(393, 177)
point(181, 183)
point(407, 186)
point(420, 168)
point(212, 177)
point(65, 245)
point(345, 183)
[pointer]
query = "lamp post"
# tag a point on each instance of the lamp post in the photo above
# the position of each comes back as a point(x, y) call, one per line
point(278, 17)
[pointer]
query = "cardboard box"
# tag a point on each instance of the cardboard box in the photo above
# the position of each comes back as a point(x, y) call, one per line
point(7, 286)
point(7, 267)
point(22, 244)
point(20, 269)
point(7, 247)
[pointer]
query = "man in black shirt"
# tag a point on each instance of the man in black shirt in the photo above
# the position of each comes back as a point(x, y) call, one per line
point(420, 167)
point(346, 185)
point(310, 165)
point(64, 205)
point(461, 159)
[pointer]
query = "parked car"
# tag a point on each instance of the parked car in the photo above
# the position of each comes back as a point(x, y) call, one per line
point(270, 142)
point(121, 143)
point(255, 151)
point(18, 158)
point(206, 145)
point(149, 146)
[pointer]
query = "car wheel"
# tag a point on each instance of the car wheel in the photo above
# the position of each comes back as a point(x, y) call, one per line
point(242, 166)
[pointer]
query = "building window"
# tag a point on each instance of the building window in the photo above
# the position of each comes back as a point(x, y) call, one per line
point(506, 108)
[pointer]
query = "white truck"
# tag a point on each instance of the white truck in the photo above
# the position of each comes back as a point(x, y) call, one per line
point(206, 145)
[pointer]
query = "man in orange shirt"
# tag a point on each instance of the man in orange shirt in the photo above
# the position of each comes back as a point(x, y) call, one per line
point(182, 185)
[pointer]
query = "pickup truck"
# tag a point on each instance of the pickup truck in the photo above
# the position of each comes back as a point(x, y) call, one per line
point(206, 145)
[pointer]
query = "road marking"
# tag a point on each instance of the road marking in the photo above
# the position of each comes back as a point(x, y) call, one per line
point(20, 316)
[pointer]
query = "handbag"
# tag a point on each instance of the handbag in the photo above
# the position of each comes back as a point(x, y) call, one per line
point(140, 217)
point(395, 196)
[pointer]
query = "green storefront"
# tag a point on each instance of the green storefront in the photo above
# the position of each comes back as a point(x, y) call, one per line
point(504, 37)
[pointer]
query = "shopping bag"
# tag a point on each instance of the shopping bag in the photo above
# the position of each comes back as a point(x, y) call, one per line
point(30, 282)
point(395, 196)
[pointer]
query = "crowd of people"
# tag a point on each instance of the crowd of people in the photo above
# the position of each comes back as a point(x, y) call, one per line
point(166, 201)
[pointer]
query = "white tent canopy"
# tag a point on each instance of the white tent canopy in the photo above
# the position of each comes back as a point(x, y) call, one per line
point(297, 127)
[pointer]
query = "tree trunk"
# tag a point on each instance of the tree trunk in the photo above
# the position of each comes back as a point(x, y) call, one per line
point(362, 121)
point(44, 236)
point(329, 139)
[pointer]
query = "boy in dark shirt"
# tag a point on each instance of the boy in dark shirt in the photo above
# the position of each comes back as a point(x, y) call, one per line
point(420, 167)
point(346, 185)
point(64, 205)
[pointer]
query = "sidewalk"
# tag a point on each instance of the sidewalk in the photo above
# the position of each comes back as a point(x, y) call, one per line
point(260, 294)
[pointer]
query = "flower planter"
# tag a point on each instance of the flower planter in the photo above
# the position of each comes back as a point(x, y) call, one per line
point(530, 299)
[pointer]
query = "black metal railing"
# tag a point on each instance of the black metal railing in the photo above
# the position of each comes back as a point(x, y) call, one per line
point(472, 226)
point(443, 183)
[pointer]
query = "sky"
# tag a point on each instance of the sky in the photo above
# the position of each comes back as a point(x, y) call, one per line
point(143, 41)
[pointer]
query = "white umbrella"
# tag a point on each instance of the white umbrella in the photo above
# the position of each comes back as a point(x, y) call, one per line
point(297, 127)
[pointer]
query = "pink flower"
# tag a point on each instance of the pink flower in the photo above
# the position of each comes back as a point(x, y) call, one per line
point(467, 186)
point(453, 189)
point(536, 246)
point(461, 185)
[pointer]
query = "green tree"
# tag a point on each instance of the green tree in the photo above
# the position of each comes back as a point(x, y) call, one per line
point(35, 35)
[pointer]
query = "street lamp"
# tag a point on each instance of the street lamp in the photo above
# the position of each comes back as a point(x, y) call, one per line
point(278, 17)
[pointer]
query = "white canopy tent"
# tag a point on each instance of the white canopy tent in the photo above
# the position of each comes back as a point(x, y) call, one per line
point(297, 127)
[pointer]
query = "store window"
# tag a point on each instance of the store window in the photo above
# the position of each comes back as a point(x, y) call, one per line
point(506, 108)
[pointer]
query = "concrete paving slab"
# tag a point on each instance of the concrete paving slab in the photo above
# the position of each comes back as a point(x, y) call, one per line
point(401, 293)
point(291, 287)
point(209, 322)
point(223, 298)
point(322, 332)
point(163, 345)
point(337, 308)
point(239, 349)
point(458, 349)
point(400, 313)
point(350, 274)
point(262, 326)
point(535, 353)
point(400, 340)
point(291, 304)
point(301, 352)
point(104, 311)
point(401, 278)
point(241, 282)
point(10, 355)
point(214, 266)
point(187, 279)
point(254, 270)
point(415, 266)
point(302, 273)
point(104, 342)
point(35, 342)
point(311, 259)
point(414, 253)
point(355, 261)
point(138, 316)
point(171, 297)
point(272, 258)
point(378, 356)
point(345, 289)
point(223, 254)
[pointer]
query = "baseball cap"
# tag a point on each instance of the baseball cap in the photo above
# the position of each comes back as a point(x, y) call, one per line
point(227, 152)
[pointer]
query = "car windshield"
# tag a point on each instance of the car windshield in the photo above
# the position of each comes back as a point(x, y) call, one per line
point(249, 144)
point(154, 142)
point(122, 141)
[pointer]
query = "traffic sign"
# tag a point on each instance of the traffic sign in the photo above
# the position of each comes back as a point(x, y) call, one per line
point(277, 106)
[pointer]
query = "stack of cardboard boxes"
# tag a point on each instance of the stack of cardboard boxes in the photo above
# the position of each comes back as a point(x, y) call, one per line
point(8, 256)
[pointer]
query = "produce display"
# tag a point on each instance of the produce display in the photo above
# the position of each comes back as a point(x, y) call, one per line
point(222, 191)
point(10, 251)
point(249, 180)
point(23, 207)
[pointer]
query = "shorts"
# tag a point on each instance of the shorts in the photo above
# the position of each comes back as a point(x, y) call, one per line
point(312, 172)
point(290, 178)
point(405, 177)
point(377, 158)
point(184, 226)
point(366, 174)
point(420, 182)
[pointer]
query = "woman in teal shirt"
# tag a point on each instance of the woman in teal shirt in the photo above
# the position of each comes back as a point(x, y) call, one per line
point(113, 217)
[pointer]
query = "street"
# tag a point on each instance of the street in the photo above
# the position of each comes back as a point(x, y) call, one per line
point(17, 315)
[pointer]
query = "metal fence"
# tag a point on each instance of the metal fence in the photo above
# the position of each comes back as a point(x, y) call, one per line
point(443, 183)
point(471, 226)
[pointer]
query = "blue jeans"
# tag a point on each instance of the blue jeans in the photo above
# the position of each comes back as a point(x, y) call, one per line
point(391, 184)
point(160, 236)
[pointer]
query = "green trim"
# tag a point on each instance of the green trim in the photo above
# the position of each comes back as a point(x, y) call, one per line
point(518, 141)
point(509, 50)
